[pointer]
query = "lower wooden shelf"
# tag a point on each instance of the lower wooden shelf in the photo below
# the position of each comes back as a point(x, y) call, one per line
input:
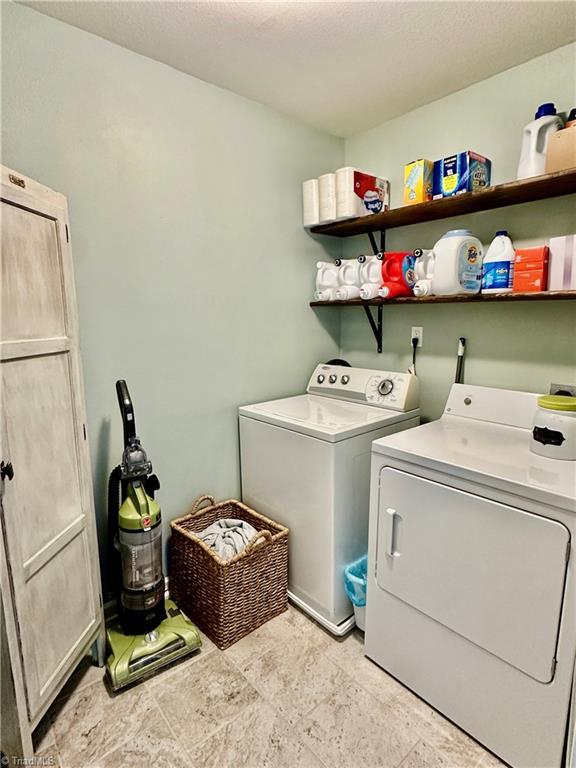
point(477, 299)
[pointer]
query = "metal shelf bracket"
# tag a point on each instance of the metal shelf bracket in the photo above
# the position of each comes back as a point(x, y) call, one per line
point(376, 325)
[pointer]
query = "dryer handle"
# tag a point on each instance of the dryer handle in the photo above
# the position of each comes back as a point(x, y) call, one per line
point(391, 531)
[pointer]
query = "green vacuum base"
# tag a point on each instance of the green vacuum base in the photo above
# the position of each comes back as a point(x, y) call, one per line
point(134, 657)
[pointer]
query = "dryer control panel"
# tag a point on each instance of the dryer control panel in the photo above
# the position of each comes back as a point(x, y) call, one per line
point(385, 389)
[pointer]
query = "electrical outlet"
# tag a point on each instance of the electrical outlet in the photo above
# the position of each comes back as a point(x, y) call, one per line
point(563, 389)
point(417, 333)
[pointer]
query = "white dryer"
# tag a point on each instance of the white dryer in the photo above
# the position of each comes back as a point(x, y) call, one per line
point(305, 462)
point(471, 582)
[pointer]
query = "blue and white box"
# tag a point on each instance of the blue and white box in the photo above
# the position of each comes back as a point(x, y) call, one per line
point(456, 174)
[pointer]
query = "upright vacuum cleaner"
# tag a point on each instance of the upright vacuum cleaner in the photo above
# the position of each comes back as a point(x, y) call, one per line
point(150, 632)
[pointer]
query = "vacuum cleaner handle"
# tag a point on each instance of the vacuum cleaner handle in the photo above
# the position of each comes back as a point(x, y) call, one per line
point(127, 410)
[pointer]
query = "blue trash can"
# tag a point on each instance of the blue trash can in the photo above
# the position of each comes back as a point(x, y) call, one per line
point(355, 579)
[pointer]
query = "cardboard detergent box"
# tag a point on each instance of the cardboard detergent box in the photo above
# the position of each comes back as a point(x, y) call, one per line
point(418, 181)
point(531, 269)
point(465, 172)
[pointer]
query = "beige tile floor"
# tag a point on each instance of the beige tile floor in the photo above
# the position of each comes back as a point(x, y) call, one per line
point(287, 696)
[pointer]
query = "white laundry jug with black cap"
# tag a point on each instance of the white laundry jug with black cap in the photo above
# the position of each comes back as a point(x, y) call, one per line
point(424, 271)
point(326, 281)
point(348, 279)
point(554, 427)
point(370, 276)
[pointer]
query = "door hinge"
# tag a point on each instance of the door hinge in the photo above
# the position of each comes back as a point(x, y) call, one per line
point(67, 234)
point(84, 430)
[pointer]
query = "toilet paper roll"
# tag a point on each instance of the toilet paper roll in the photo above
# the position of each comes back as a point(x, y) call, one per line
point(310, 203)
point(360, 194)
point(327, 197)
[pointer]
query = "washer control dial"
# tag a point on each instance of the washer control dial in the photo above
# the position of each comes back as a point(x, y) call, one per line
point(385, 387)
point(345, 379)
point(332, 378)
point(320, 378)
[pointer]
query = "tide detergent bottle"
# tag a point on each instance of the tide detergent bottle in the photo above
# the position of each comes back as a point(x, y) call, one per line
point(370, 276)
point(498, 265)
point(398, 276)
point(457, 264)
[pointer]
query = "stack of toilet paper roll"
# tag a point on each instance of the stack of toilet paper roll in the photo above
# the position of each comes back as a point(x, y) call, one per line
point(346, 194)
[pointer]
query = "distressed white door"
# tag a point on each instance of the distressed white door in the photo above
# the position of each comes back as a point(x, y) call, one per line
point(48, 523)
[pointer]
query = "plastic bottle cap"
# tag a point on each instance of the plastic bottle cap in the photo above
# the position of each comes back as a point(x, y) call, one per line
point(503, 232)
point(557, 403)
point(545, 109)
point(457, 233)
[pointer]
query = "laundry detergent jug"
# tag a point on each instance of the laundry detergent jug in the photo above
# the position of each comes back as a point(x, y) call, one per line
point(498, 265)
point(348, 279)
point(398, 276)
point(535, 141)
point(370, 276)
point(326, 281)
point(457, 264)
point(424, 271)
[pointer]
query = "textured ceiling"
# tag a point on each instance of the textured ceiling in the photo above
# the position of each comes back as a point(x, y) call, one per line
point(340, 66)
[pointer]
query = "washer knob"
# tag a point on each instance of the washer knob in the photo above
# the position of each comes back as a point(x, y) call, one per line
point(332, 378)
point(320, 378)
point(345, 379)
point(385, 387)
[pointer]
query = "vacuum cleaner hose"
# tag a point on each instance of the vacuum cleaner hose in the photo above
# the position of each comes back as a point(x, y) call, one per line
point(114, 492)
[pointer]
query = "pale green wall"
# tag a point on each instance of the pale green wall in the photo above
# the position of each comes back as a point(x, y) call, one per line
point(193, 272)
point(518, 346)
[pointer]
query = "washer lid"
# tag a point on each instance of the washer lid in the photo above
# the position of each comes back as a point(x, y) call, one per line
point(323, 417)
point(494, 454)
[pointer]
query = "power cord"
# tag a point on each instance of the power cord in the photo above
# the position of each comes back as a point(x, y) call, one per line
point(414, 347)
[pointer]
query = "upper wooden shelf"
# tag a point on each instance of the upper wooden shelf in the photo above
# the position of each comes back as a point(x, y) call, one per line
point(499, 196)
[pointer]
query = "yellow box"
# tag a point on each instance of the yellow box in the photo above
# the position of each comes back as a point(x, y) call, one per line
point(418, 181)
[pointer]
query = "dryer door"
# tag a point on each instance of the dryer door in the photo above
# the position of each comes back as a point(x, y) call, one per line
point(490, 572)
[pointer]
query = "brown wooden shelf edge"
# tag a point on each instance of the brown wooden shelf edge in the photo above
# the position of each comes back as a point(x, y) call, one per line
point(477, 299)
point(499, 196)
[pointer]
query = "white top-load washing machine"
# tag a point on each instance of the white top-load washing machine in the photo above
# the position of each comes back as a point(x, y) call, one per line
point(471, 579)
point(305, 462)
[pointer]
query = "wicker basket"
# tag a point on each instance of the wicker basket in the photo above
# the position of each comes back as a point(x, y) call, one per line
point(228, 599)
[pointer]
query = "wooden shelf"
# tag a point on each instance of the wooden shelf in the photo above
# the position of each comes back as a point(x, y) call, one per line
point(499, 196)
point(477, 299)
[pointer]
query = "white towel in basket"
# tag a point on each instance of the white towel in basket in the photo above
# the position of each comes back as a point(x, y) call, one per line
point(228, 537)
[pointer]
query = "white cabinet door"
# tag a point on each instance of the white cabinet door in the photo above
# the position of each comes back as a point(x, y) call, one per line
point(48, 521)
point(490, 572)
